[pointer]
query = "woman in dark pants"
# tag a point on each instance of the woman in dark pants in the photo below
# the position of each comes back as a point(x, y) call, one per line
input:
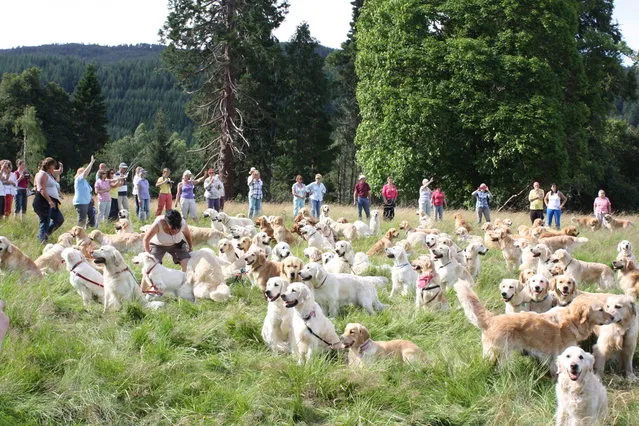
point(47, 198)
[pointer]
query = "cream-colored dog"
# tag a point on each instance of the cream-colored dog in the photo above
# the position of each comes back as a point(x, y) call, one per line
point(584, 272)
point(581, 398)
point(83, 277)
point(402, 273)
point(515, 298)
point(12, 259)
point(131, 243)
point(277, 329)
point(162, 279)
point(204, 275)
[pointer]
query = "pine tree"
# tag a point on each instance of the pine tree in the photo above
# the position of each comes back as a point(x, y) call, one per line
point(89, 114)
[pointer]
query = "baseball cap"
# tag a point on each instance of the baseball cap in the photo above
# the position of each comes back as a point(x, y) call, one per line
point(123, 166)
point(361, 177)
point(252, 170)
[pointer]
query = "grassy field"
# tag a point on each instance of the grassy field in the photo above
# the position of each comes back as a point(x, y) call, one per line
point(204, 363)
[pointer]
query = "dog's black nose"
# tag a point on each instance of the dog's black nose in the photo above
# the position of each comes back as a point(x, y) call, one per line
point(574, 367)
point(268, 293)
point(537, 289)
point(504, 294)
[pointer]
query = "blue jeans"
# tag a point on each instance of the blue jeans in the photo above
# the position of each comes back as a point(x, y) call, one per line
point(363, 203)
point(21, 201)
point(298, 204)
point(557, 214)
point(439, 212)
point(213, 203)
point(315, 208)
point(255, 205)
point(144, 209)
point(49, 222)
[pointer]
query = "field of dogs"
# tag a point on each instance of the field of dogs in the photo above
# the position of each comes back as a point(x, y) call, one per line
point(232, 341)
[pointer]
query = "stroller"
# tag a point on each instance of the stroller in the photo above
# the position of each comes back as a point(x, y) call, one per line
point(389, 210)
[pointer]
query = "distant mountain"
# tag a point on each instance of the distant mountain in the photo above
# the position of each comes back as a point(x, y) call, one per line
point(134, 81)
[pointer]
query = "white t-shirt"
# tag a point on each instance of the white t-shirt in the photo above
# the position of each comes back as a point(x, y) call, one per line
point(136, 179)
point(2, 189)
point(13, 189)
point(554, 202)
point(213, 188)
point(164, 239)
point(123, 188)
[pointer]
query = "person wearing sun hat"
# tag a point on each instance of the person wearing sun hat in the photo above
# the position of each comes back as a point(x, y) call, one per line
point(482, 207)
point(360, 197)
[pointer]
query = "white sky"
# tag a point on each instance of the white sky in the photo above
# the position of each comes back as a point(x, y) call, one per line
point(113, 22)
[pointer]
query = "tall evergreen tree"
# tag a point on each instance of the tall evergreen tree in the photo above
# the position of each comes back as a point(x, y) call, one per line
point(304, 136)
point(90, 115)
point(208, 47)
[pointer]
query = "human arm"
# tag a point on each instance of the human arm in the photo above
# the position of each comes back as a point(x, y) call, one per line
point(57, 172)
point(355, 196)
point(546, 198)
point(474, 193)
point(179, 191)
point(148, 235)
point(161, 181)
point(187, 235)
point(563, 199)
point(87, 170)
point(199, 180)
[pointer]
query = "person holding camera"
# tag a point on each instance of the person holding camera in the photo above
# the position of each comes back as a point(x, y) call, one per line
point(82, 193)
point(186, 195)
point(213, 188)
point(165, 200)
point(47, 198)
point(23, 178)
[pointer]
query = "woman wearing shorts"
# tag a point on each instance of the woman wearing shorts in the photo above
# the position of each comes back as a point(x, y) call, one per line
point(169, 234)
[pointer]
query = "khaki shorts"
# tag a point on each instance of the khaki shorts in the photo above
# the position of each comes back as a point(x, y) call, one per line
point(177, 251)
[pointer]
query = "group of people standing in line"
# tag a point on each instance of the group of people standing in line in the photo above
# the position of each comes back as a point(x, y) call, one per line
point(14, 188)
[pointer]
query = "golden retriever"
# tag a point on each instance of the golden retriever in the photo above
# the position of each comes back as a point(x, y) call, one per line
point(620, 337)
point(385, 242)
point(582, 271)
point(563, 289)
point(537, 291)
point(587, 222)
point(205, 236)
point(506, 333)
point(264, 225)
point(204, 275)
point(581, 398)
point(460, 222)
point(280, 233)
point(261, 269)
point(509, 250)
point(568, 230)
point(51, 258)
point(512, 291)
point(361, 348)
point(122, 242)
point(614, 223)
point(430, 292)
point(629, 281)
point(12, 259)
point(291, 267)
point(565, 242)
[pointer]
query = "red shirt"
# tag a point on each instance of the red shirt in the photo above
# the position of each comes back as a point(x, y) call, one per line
point(389, 192)
point(22, 183)
point(362, 189)
point(438, 198)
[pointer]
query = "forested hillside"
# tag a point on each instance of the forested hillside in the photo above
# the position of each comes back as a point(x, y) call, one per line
point(135, 83)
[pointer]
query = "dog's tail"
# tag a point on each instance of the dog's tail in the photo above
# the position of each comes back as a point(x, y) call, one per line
point(378, 282)
point(479, 316)
point(581, 240)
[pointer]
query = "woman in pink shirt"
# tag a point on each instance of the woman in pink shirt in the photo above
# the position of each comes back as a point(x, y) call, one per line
point(389, 195)
point(602, 207)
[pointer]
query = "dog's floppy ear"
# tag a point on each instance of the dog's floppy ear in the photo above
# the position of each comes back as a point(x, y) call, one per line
point(363, 332)
point(553, 284)
point(633, 308)
point(589, 361)
point(573, 285)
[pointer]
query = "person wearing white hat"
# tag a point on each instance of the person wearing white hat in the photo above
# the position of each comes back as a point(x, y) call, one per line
point(424, 197)
point(123, 198)
point(482, 207)
point(360, 197)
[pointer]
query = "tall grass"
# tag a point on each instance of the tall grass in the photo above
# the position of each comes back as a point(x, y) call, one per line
point(205, 363)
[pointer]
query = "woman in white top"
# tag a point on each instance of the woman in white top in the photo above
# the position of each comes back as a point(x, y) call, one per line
point(554, 201)
point(47, 198)
point(213, 188)
point(4, 184)
point(299, 195)
point(424, 197)
point(169, 234)
point(136, 180)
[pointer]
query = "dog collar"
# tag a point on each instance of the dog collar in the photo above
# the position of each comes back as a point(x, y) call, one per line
point(539, 301)
point(152, 268)
point(76, 265)
point(365, 346)
point(403, 266)
point(323, 281)
point(568, 264)
point(310, 315)
point(443, 266)
point(563, 305)
point(424, 280)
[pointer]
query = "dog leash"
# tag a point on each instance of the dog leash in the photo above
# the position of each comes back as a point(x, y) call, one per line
point(154, 288)
point(310, 330)
point(82, 276)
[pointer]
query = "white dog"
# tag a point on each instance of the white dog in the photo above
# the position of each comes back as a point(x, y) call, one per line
point(312, 331)
point(163, 279)
point(537, 294)
point(281, 251)
point(402, 273)
point(581, 398)
point(204, 274)
point(335, 264)
point(358, 262)
point(448, 268)
point(212, 214)
point(375, 222)
point(472, 253)
point(337, 290)
point(315, 238)
point(119, 282)
point(83, 277)
point(277, 328)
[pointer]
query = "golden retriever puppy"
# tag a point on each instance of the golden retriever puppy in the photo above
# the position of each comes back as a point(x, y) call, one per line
point(629, 281)
point(430, 292)
point(122, 242)
point(362, 349)
point(537, 292)
point(515, 298)
point(460, 222)
point(587, 222)
point(563, 289)
point(291, 267)
point(614, 223)
point(582, 271)
point(565, 242)
point(385, 242)
point(620, 337)
point(581, 398)
point(568, 230)
point(529, 331)
point(12, 259)
point(261, 269)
